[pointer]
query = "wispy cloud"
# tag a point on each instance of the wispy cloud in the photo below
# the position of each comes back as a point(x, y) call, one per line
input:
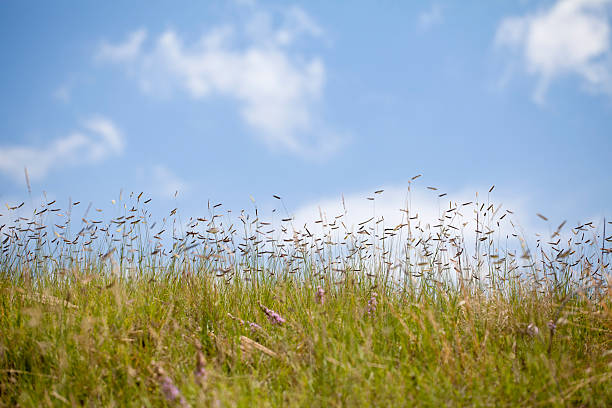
point(570, 37)
point(296, 23)
point(126, 51)
point(98, 140)
point(166, 183)
point(430, 17)
point(63, 94)
point(255, 64)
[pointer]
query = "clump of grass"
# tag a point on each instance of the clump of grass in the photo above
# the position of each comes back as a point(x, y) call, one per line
point(115, 313)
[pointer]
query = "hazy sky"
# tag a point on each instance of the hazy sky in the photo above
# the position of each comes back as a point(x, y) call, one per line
point(309, 101)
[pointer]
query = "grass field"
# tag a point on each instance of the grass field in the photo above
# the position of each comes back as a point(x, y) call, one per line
point(241, 312)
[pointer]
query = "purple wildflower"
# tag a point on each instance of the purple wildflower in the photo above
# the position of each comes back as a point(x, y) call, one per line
point(532, 330)
point(200, 370)
point(320, 295)
point(274, 317)
point(372, 303)
point(254, 326)
point(168, 389)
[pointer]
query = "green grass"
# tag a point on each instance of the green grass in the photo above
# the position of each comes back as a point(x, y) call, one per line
point(78, 331)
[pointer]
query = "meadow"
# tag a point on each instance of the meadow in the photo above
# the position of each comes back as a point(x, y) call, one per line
point(243, 310)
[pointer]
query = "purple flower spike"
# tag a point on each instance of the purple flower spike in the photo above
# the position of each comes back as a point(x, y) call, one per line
point(254, 326)
point(372, 303)
point(320, 295)
point(200, 370)
point(168, 389)
point(274, 317)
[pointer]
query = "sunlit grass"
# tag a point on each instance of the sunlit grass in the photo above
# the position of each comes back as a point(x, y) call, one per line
point(243, 312)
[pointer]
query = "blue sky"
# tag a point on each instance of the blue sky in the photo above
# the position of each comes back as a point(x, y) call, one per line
point(309, 101)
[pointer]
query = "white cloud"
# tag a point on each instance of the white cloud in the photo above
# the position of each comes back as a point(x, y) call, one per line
point(354, 221)
point(571, 37)
point(515, 212)
point(392, 203)
point(167, 183)
point(126, 51)
point(430, 17)
point(277, 90)
point(297, 22)
point(99, 140)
